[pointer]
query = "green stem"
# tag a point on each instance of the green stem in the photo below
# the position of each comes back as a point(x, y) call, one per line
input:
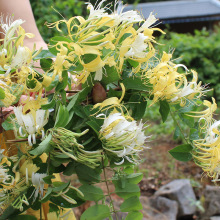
point(177, 123)
point(109, 194)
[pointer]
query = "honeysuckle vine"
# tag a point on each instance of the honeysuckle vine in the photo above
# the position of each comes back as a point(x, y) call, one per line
point(82, 112)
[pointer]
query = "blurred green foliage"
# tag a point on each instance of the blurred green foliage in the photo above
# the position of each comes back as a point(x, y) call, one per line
point(43, 12)
point(200, 52)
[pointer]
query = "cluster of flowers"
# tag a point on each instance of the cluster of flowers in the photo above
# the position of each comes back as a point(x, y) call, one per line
point(103, 46)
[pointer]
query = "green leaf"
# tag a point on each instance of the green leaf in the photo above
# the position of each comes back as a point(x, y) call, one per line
point(46, 64)
point(131, 204)
point(73, 102)
point(62, 117)
point(70, 169)
point(7, 213)
point(60, 186)
point(134, 178)
point(44, 146)
point(87, 174)
point(177, 133)
point(53, 208)
point(189, 121)
point(96, 212)
point(194, 134)
point(23, 217)
point(49, 105)
point(182, 152)
point(135, 83)
point(48, 179)
point(63, 203)
point(2, 93)
point(138, 105)
point(127, 191)
point(62, 85)
point(91, 193)
point(164, 109)
point(7, 124)
point(44, 54)
point(94, 126)
point(110, 76)
point(134, 216)
point(47, 195)
point(133, 63)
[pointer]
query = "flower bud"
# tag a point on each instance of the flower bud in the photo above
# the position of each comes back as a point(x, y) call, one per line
point(98, 93)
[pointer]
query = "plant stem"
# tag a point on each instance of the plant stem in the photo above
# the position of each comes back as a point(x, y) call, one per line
point(41, 212)
point(109, 194)
point(177, 123)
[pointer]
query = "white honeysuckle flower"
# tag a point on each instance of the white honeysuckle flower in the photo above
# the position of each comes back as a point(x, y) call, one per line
point(128, 16)
point(138, 47)
point(148, 23)
point(9, 26)
point(118, 15)
point(5, 178)
point(41, 120)
point(38, 183)
point(97, 11)
point(30, 124)
point(212, 136)
point(98, 74)
point(122, 137)
point(18, 115)
point(21, 58)
point(3, 52)
point(190, 89)
point(30, 127)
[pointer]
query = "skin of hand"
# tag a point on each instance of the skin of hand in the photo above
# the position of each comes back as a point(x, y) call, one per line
point(21, 9)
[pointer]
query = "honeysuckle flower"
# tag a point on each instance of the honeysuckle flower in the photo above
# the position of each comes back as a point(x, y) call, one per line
point(9, 28)
point(171, 85)
point(206, 116)
point(22, 57)
point(122, 137)
point(97, 11)
point(38, 183)
point(190, 90)
point(31, 123)
point(5, 178)
point(206, 151)
point(148, 23)
point(125, 17)
point(9, 98)
point(138, 47)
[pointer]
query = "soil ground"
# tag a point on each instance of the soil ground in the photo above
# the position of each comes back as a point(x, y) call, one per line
point(159, 168)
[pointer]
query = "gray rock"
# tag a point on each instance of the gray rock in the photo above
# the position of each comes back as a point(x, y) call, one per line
point(212, 200)
point(215, 218)
point(180, 191)
point(159, 208)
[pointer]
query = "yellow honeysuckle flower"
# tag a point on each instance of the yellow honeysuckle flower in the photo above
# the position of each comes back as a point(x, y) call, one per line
point(205, 116)
point(206, 152)
point(22, 34)
point(28, 168)
point(52, 216)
